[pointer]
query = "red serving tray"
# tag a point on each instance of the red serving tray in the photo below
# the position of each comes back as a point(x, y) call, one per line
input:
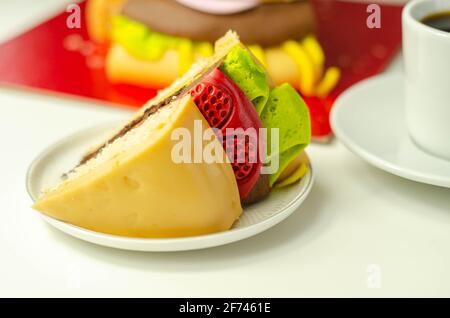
point(54, 58)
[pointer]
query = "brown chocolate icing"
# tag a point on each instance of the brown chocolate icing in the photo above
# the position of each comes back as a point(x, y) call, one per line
point(260, 191)
point(267, 25)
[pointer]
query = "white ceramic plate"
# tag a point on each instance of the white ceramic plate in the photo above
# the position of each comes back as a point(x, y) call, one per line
point(48, 167)
point(369, 119)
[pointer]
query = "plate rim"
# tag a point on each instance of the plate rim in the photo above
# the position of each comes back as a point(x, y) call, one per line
point(162, 244)
point(369, 156)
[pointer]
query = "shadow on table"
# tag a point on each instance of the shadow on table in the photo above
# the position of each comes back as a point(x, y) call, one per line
point(428, 199)
point(299, 229)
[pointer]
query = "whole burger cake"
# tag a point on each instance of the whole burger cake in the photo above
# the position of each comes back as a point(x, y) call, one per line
point(155, 41)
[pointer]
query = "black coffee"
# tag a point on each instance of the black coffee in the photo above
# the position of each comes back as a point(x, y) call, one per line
point(440, 21)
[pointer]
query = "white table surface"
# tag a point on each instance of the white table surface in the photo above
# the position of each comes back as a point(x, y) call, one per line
point(355, 216)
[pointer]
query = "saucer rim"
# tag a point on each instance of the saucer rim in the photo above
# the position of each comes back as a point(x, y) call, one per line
point(371, 157)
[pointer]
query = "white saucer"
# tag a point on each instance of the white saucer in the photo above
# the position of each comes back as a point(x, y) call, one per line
point(369, 119)
point(47, 169)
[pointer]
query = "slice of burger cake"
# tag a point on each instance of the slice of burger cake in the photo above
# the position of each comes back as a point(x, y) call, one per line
point(131, 185)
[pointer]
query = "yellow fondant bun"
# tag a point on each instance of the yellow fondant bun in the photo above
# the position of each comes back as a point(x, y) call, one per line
point(98, 16)
point(301, 67)
point(134, 188)
point(122, 67)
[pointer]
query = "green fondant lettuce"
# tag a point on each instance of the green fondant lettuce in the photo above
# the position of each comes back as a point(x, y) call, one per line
point(287, 111)
point(251, 77)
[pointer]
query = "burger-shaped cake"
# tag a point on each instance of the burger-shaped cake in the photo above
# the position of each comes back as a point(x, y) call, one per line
point(140, 183)
point(155, 41)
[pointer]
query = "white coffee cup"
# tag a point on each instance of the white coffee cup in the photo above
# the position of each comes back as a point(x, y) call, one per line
point(427, 73)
